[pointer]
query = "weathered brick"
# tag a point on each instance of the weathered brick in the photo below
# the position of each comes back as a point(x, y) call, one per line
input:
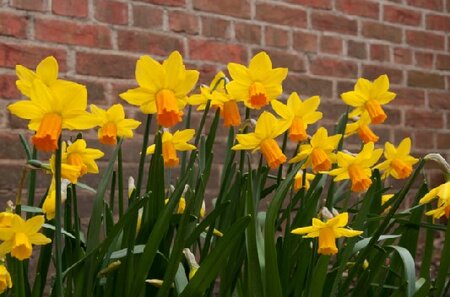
point(409, 97)
point(424, 59)
point(10, 147)
point(380, 52)
point(402, 55)
point(439, 100)
point(247, 33)
point(146, 42)
point(237, 8)
point(147, 17)
point(443, 141)
point(382, 31)
point(394, 116)
point(425, 80)
point(294, 62)
point(307, 86)
point(8, 88)
point(401, 15)
point(29, 56)
point(369, 9)
point(276, 37)
point(331, 45)
point(166, 2)
point(438, 22)
point(424, 140)
point(333, 110)
point(333, 67)
point(425, 39)
point(281, 15)
point(428, 4)
point(321, 4)
point(216, 28)
point(326, 21)
point(373, 71)
point(303, 41)
point(112, 12)
point(105, 65)
point(74, 8)
point(13, 25)
point(356, 49)
point(72, 33)
point(38, 5)
point(216, 51)
point(344, 86)
point(180, 21)
point(419, 118)
point(443, 62)
point(95, 88)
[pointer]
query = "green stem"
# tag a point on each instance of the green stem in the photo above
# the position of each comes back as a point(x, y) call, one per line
point(202, 122)
point(112, 191)
point(142, 158)
point(58, 227)
point(242, 156)
point(120, 180)
point(283, 149)
point(32, 184)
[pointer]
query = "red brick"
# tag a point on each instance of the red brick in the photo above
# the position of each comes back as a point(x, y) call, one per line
point(180, 21)
point(333, 67)
point(307, 86)
point(409, 97)
point(443, 141)
point(38, 5)
point(72, 33)
point(105, 65)
point(380, 52)
point(356, 49)
point(371, 72)
point(276, 37)
point(438, 22)
point(425, 80)
point(13, 25)
point(382, 31)
point(429, 4)
point(166, 2)
point(295, 62)
point(439, 100)
point(424, 59)
point(333, 110)
point(237, 8)
point(394, 116)
point(74, 8)
point(95, 88)
point(28, 56)
point(216, 51)
point(443, 62)
point(281, 15)
point(10, 146)
point(8, 88)
point(425, 39)
point(147, 17)
point(401, 15)
point(331, 45)
point(423, 119)
point(423, 140)
point(247, 33)
point(325, 21)
point(112, 12)
point(402, 55)
point(146, 42)
point(357, 7)
point(322, 4)
point(304, 41)
point(216, 28)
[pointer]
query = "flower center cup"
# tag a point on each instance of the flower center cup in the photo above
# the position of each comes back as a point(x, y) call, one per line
point(320, 160)
point(21, 246)
point(46, 137)
point(401, 168)
point(231, 114)
point(367, 135)
point(297, 131)
point(375, 111)
point(170, 155)
point(76, 160)
point(272, 153)
point(327, 242)
point(168, 113)
point(360, 181)
point(258, 95)
point(108, 134)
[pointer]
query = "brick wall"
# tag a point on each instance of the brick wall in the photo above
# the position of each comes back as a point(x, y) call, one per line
point(327, 45)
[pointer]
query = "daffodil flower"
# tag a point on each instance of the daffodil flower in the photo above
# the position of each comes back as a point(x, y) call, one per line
point(328, 232)
point(78, 154)
point(357, 168)
point(319, 152)
point(5, 279)
point(368, 97)
point(298, 180)
point(398, 162)
point(113, 123)
point(19, 238)
point(171, 143)
point(6, 219)
point(49, 205)
point(258, 84)
point(266, 130)
point(162, 88)
point(361, 126)
point(442, 193)
point(299, 113)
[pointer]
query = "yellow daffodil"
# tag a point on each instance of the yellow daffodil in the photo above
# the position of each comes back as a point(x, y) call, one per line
point(49, 205)
point(181, 205)
point(361, 126)
point(171, 143)
point(442, 193)
point(385, 198)
point(299, 113)
point(6, 219)
point(298, 180)
point(113, 123)
point(258, 84)
point(77, 154)
point(216, 92)
point(357, 168)
point(70, 172)
point(328, 232)
point(5, 279)
point(50, 111)
point(162, 88)
point(267, 128)
point(319, 152)
point(19, 238)
point(398, 162)
point(368, 97)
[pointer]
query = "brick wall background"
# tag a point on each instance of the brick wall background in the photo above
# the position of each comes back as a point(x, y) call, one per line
point(327, 45)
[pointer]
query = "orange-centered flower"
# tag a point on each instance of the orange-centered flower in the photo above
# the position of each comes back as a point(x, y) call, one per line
point(357, 168)
point(442, 193)
point(368, 97)
point(267, 128)
point(361, 126)
point(77, 154)
point(398, 162)
point(328, 232)
point(258, 84)
point(298, 180)
point(162, 88)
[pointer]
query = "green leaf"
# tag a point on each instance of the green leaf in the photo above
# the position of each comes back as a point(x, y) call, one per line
point(364, 242)
point(319, 276)
point(409, 268)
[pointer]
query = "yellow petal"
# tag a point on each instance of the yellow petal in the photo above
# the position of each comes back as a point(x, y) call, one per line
point(344, 232)
point(39, 239)
point(150, 149)
point(47, 70)
point(304, 230)
point(33, 225)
